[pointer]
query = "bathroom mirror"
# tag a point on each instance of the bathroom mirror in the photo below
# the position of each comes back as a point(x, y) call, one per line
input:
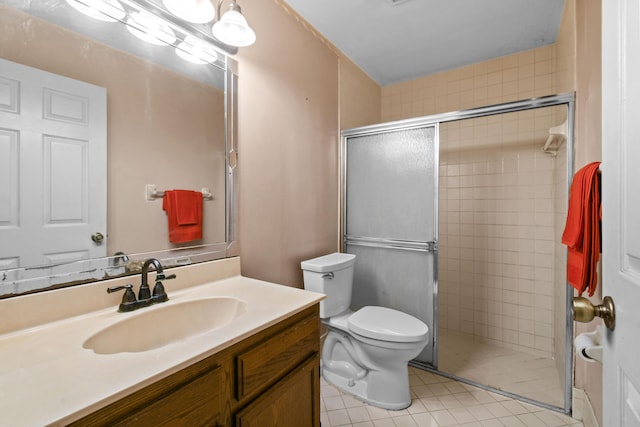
point(170, 124)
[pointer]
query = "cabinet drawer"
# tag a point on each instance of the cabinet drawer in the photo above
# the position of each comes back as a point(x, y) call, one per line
point(197, 403)
point(192, 397)
point(266, 362)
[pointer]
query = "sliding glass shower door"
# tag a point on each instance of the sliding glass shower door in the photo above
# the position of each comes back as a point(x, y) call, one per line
point(389, 220)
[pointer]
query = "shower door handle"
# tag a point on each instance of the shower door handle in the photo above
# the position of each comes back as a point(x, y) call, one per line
point(376, 242)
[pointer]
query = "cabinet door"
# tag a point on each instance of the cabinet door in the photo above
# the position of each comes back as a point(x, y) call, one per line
point(292, 402)
point(266, 362)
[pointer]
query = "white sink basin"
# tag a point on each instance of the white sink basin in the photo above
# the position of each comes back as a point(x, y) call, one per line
point(157, 326)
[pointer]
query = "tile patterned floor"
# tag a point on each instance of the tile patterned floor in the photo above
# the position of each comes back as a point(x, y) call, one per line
point(524, 374)
point(438, 402)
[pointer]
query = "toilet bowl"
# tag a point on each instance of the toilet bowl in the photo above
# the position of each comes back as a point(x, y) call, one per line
point(366, 352)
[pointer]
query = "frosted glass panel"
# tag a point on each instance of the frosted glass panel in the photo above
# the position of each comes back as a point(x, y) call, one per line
point(390, 200)
point(390, 183)
point(396, 278)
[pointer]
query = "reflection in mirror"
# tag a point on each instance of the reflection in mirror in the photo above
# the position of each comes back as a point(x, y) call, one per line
point(68, 82)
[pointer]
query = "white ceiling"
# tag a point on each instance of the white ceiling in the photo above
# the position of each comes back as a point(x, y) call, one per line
point(413, 38)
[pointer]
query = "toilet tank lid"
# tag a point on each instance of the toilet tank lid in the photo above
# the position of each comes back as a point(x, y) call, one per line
point(331, 262)
point(387, 324)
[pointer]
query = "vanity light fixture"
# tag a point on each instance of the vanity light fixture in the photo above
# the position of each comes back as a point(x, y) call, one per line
point(103, 10)
point(232, 28)
point(150, 29)
point(196, 11)
point(196, 51)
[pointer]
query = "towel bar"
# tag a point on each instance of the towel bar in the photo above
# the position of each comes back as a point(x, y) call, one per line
point(151, 193)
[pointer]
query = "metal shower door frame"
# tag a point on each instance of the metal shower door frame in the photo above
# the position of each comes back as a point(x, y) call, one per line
point(435, 120)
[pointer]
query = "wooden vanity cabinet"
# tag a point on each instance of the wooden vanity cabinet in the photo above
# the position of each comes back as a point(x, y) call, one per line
point(271, 378)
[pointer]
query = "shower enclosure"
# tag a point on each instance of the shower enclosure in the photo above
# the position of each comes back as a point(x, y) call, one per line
point(456, 219)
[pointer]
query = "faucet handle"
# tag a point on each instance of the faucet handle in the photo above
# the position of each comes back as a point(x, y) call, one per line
point(129, 295)
point(128, 299)
point(158, 290)
point(159, 294)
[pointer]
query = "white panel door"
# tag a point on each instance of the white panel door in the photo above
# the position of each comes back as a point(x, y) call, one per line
point(621, 208)
point(52, 167)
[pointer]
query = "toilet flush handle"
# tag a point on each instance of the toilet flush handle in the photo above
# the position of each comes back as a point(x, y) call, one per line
point(327, 275)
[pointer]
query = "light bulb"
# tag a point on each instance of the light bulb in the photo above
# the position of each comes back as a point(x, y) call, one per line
point(232, 29)
point(103, 10)
point(196, 51)
point(150, 29)
point(196, 11)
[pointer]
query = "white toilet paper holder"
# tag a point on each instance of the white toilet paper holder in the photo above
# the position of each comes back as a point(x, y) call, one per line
point(589, 345)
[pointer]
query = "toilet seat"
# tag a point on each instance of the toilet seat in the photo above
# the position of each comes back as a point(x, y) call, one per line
point(386, 324)
point(381, 323)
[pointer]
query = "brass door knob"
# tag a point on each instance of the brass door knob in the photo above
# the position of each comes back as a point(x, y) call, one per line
point(584, 311)
point(97, 237)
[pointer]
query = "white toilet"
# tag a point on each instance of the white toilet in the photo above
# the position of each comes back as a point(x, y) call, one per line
point(365, 352)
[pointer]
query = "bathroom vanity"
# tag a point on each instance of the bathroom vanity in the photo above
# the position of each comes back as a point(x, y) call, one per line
point(259, 369)
point(270, 378)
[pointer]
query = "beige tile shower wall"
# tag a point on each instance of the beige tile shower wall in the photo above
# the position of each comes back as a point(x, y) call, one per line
point(497, 230)
point(522, 75)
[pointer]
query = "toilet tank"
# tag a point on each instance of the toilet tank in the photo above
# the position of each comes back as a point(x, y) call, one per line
point(331, 275)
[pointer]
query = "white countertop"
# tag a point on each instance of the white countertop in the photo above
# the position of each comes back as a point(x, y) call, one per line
point(48, 378)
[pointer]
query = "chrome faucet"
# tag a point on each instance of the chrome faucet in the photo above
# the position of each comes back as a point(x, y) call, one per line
point(119, 259)
point(145, 297)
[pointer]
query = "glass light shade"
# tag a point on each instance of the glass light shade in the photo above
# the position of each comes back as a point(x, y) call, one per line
point(196, 51)
point(196, 11)
point(150, 29)
point(103, 10)
point(233, 29)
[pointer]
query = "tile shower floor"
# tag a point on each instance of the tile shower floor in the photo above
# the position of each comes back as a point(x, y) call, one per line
point(504, 369)
point(437, 402)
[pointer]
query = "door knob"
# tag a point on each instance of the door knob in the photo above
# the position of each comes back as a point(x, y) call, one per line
point(97, 237)
point(584, 311)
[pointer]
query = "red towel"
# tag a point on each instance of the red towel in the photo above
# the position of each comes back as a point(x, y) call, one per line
point(184, 214)
point(582, 230)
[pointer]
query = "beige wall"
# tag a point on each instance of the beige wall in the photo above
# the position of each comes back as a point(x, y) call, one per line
point(588, 376)
point(147, 142)
point(559, 296)
point(359, 96)
point(288, 146)
point(565, 82)
point(566, 49)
